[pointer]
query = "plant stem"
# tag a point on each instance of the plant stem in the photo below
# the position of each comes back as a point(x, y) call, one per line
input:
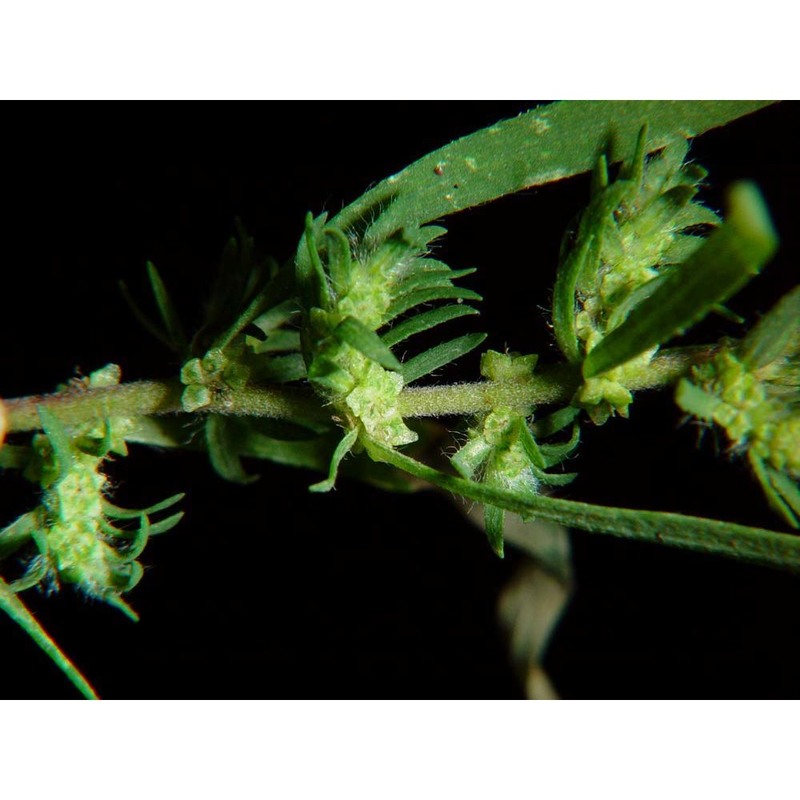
point(74, 406)
point(550, 384)
point(755, 545)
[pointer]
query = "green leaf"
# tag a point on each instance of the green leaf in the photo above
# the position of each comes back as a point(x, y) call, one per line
point(438, 356)
point(430, 279)
point(774, 334)
point(278, 342)
point(311, 279)
point(151, 327)
point(782, 495)
point(407, 301)
point(556, 453)
point(471, 457)
point(283, 369)
point(358, 335)
point(530, 445)
point(14, 456)
point(578, 262)
point(166, 308)
point(342, 449)
point(312, 454)
point(13, 536)
point(222, 453)
point(339, 260)
point(58, 437)
point(276, 316)
point(494, 518)
point(166, 524)
point(726, 261)
point(754, 545)
point(553, 423)
point(543, 145)
point(425, 321)
point(14, 607)
point(285, 430)
point(115, 512)
point(789, 493)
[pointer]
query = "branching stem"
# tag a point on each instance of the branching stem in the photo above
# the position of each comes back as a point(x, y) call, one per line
point(549, 385)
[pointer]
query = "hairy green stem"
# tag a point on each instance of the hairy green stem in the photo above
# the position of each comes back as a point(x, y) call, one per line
point(554, 384)
point(74, 406)
point(551, 384)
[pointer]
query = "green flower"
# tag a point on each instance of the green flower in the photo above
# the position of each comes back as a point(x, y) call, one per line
point(501, 450)
point(72, 527)
point(752, 392)
point(630, 236)
point(360, 304)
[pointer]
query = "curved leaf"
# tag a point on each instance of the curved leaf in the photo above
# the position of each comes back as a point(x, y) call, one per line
point(543, 145)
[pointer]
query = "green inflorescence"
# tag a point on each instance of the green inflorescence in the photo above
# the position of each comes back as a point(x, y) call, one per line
point(73, 528)
point(752, 392)
point(501, 450)
point(350, 301)
point(632, 232)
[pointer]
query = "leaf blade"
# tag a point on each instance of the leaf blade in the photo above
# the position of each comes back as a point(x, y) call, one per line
point(440, 355)
point(545, 144)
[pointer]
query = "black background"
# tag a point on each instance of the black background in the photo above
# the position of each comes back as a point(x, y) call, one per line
point(268, 591)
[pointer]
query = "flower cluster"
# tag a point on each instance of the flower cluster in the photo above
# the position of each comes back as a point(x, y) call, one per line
point(501, 450)
point(72, 526)
point(632, 233)
point(352, 303)
point(752, 392)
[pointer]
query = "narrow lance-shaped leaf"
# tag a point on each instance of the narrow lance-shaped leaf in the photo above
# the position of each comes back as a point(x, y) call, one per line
point(726, 261)
point(311, 279)
point(781, 493)
point(222, 453)
point(166, 308)
point(342, 449)
point(789, 493)
point(126, 513)
point(774, 333)
point(151, 327)
point(494, 519)
point(438, 356)
point(15, 608)
point(543, 145)
point(359, 336)
point(425, 321)
point(755, 545)
point(408, 301)
point(13, 536)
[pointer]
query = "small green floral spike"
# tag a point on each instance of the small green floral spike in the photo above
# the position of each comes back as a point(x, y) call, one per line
point(753, 393)
point(77, 542)
point(501, 451)
point(72, 528)
point(632, 231)
point(350, 300)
